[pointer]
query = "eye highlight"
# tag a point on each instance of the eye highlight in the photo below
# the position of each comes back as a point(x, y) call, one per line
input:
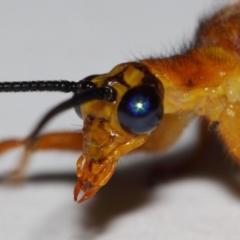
point(139, 104)
point(140, 109)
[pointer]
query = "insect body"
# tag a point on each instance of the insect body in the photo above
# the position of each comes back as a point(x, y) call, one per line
point(146, 104)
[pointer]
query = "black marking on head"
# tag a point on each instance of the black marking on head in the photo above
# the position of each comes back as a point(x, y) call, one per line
point(117, 78)
point(149, 78)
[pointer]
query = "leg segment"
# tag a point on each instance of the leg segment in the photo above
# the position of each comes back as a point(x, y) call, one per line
point(72, 141)
point(9, 144)
point(229, 129)
point(51, 141)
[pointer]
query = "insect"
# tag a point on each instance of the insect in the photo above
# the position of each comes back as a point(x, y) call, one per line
point(145, 105)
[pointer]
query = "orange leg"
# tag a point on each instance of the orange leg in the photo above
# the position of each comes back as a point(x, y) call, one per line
point(229, 129)
point(72, 141)
point(58, 140)
point(165, 135)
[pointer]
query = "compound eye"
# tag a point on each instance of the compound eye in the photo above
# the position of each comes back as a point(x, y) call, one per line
point(140, 109)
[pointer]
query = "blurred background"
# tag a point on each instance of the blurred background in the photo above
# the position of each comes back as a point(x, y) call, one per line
point(149, 196)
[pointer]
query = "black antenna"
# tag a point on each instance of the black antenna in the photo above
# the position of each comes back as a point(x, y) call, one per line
point(106, 92)
point(84, 91)
point(76, 100)
point(39, 86)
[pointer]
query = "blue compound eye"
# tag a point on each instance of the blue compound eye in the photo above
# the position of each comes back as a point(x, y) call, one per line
point(140, 109)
